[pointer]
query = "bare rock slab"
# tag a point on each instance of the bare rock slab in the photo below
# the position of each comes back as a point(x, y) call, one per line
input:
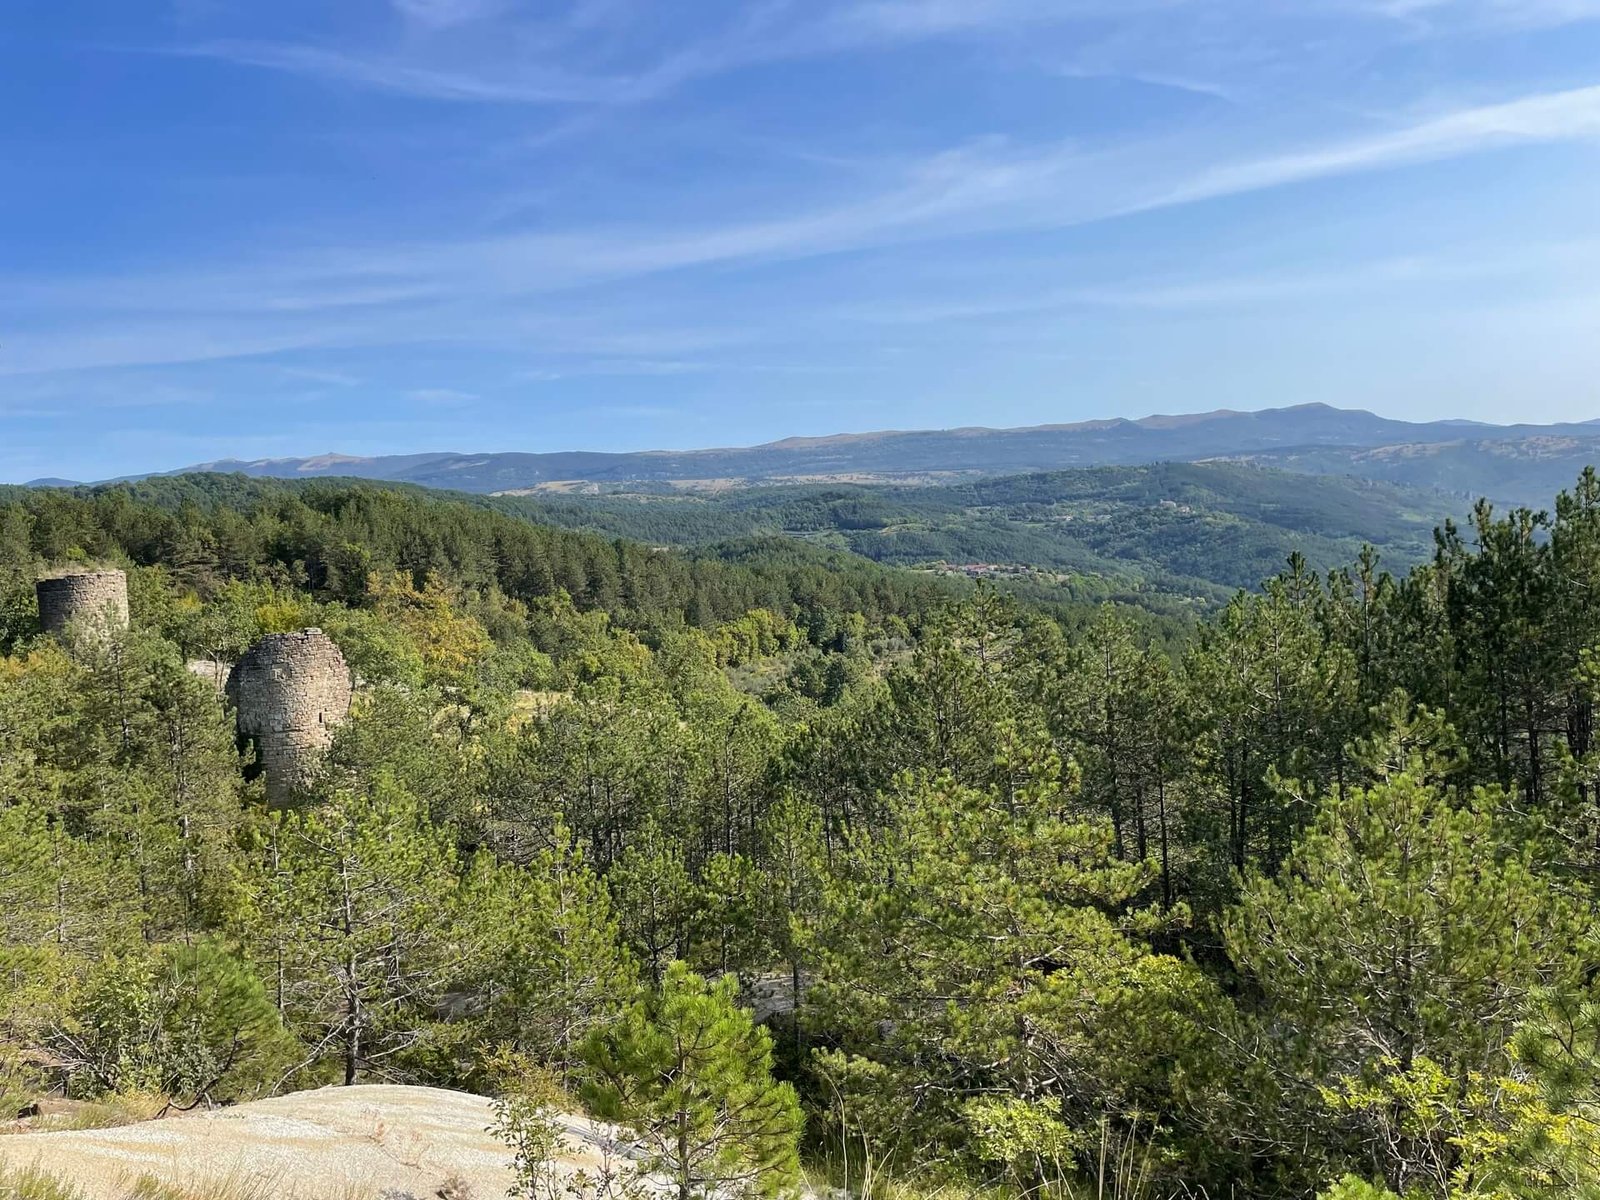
point(341, 1143)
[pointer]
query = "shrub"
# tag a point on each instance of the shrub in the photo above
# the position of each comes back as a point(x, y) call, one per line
point(187, 1022)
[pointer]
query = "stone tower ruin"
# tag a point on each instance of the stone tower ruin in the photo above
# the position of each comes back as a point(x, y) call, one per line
point(92, 598)
point(290, 691)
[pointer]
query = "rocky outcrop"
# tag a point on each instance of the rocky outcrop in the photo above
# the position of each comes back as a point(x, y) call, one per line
point(214, 672)
point(362, 1141)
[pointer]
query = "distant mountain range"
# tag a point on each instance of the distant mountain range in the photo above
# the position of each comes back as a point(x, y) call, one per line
point(1523, 464)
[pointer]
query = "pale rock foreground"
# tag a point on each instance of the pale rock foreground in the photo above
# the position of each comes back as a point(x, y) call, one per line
point(340, 1143)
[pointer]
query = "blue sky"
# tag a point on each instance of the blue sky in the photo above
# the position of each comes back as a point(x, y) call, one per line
point(232, 228)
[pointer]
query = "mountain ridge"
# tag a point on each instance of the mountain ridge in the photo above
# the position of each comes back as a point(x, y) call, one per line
point(1514, 463)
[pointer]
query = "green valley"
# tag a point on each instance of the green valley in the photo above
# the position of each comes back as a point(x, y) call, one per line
point(1171, 532)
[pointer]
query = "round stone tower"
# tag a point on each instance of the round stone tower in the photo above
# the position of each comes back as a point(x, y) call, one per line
point(290, 691)
point(93, 598)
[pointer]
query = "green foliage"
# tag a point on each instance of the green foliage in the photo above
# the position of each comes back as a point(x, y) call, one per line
point(656, 897)
point(1400, 928)
point(528, 1107)
point(353, 910)
point(122, 747)
point(554, 965)
point(1397, 954)
point(760, 633)
point(689, 1072)
point(29, 1183)
point(60, 892)
point(1112, 700)
point(1352, 1188)
point(1497, 1137)
point(1027, 894)
point(1271, 697)
point(1028, 1138)
point(967, 949)
point(1159, 535)
point(188, 1022)
point(20, 1080)
point(332, 536)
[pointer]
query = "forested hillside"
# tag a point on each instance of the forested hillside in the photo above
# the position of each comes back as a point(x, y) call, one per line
point(1028, 900)
point(329, 537)
point(1171, 532)
point(1514, 470)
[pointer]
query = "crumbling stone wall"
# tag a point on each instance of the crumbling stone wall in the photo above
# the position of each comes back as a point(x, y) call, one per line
point(291, 690)
point(97, 598)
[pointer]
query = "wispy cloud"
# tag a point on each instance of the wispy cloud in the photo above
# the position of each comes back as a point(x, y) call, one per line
point(442, 14)
point(1156, 79)
point(666, 199)
point(932, 18)
point(510, 73)
point(643, 412)
point(393, 74)
point(623, 367)
point(342, 379)
point(545, 61)
point(1551, 117)
point(996, 189)
point(489, 291)
point(1482, 15)
point(438, 397)
point(1387, 276)
point(557, 67)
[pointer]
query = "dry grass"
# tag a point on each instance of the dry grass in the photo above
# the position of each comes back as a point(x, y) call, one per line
point(26, 1183)
point(110, 1113)
point(234, 1187)
point(1122, 1172)
point(229, 1187)
point(148, 1187)
point(29, 1183)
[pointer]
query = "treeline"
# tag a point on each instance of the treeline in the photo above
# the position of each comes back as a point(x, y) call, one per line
point(327, 537)
point(1304, 906)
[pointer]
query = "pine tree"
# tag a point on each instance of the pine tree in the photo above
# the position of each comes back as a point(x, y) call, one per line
point(793, 858)
point(730, 924)
point(656, 899)
point(1267, 694)
point(554, 966)
point(967, 949)
point(1112, 707)
point(1405, 935)
point(690, 1073)
point(353, 915)
point(189, 1022)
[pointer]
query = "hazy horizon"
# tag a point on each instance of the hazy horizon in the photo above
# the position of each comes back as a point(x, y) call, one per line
point(337, 453)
